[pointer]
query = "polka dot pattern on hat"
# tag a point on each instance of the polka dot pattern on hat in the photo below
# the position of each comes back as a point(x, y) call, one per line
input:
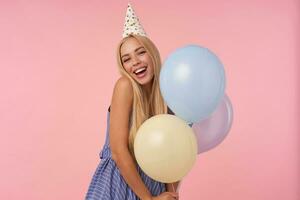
point(132, 24)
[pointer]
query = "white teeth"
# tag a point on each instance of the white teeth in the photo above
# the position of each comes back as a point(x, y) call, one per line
point(138, 70)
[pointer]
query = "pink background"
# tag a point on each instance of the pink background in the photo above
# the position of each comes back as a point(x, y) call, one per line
point(58, 68)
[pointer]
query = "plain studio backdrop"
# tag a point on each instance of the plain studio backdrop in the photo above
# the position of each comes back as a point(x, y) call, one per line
point(57, 72)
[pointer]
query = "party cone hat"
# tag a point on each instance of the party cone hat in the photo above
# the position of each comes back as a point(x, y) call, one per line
point(132, 24)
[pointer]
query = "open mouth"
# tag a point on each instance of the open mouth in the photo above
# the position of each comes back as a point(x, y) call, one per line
point(141, 72)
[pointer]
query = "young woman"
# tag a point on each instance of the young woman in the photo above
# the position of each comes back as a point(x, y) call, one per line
point(136, 97)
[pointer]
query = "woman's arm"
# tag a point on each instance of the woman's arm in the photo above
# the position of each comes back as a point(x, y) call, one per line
point(121, 107)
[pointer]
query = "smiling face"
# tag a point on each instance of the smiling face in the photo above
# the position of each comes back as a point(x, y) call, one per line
point(137, 61)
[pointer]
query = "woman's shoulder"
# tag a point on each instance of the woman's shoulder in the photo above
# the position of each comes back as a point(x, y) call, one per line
point(123, 86)
point(122, 93)
point(123, 82)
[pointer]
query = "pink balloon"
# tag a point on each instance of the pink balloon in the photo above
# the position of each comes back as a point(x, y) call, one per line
point(212, 131)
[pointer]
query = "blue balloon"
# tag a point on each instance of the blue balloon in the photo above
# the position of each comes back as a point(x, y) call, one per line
point(192, 82)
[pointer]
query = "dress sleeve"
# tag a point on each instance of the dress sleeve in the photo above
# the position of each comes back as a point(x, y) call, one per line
point(170, 111)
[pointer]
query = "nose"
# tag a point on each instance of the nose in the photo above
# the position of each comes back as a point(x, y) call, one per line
point(136, 60)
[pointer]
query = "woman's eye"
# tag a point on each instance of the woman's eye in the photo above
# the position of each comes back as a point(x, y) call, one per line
point(126, 60)
point(142, 52)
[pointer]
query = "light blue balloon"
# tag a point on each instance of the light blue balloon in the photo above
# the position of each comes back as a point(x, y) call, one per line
point(192, 82)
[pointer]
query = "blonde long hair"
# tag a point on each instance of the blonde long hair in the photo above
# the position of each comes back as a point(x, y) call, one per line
point(143, 108)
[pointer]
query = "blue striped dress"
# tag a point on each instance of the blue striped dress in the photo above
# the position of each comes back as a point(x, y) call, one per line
point(107, 182)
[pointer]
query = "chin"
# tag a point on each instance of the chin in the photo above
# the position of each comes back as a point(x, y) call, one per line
point(144, 82)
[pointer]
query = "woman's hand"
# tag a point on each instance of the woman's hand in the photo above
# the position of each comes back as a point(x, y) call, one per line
point(167, 196)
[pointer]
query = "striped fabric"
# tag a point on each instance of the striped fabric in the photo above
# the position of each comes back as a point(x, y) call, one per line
point(107, 182)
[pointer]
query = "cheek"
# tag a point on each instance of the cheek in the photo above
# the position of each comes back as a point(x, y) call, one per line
point(126, 67)
point(150, 64)
point(151, 69)
point(148, 60)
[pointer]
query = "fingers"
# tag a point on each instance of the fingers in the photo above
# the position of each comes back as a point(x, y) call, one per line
point(174, 194)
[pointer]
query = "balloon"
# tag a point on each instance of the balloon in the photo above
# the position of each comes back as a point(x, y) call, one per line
point(212, 131)
point(192, 82)
point(165, 148)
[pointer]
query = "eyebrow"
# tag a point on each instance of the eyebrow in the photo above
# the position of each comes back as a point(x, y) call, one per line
point(134, 51)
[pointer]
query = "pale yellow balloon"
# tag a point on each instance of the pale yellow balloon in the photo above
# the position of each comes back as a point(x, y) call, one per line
point(165, 148)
